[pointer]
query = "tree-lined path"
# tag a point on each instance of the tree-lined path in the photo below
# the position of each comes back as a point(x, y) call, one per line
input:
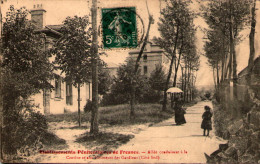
point(167, 136)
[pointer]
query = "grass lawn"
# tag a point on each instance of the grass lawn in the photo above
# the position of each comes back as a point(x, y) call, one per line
point(119, 115)
point(103, 142)
point(120, 128)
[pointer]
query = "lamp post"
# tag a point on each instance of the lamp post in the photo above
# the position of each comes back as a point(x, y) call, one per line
point(94, 114)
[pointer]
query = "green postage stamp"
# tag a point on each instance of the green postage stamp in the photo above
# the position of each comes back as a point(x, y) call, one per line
point(119, 27)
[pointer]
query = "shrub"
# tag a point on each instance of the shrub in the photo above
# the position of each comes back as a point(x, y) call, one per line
point(25, 130)
point(114, 99)
point(88, 106)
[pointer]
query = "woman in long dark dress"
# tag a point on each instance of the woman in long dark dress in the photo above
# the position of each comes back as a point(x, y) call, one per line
point(206, 122)
point(179, 115)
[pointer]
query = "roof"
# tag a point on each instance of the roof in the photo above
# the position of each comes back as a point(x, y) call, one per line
point(156, 49)
point(52, 30)
point(244, 71)
point(55, 27)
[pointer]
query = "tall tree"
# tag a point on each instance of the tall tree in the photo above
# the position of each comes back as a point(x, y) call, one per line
point(157, 78)
point(25, 71)
point(229, 17)
point(104, 81)
point(1, 97)
point(132, 88)
point(191, 62)
point(73, 54)
point(252, 43)
point(187, 43)
point(174, 18)
point(26, 67)
point(126, 77)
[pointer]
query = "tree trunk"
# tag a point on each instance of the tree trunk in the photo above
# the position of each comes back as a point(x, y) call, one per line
point(252, 45)
point(223, 61)
point(218, 83)
point(94, 113)
point(222, 71)
point(217, 75)
point(188, 81)
point(185, 82)
point(190, 86)
point(166, 86)
point(224, 56)
point(182, 79)
point(174, 82)
point(232, 66)
point(1, 94)
point(132, 93)
point(132, 101)
point(176, 69)
point(1, 23)
point(235, 73)
point(214, 78)
point(170, 71)
point(182, 83)
point(79, 114)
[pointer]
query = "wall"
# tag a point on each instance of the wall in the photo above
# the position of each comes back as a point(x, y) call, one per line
point(240, 126)
point(155, 57)
point(58, 105)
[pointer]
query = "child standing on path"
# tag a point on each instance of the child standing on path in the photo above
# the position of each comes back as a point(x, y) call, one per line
point(206, 122)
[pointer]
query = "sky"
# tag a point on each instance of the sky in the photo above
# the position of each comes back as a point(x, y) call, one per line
point(58, 10)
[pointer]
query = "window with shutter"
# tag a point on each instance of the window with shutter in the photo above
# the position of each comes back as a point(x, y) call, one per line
point(58, 87)
point(69, 93)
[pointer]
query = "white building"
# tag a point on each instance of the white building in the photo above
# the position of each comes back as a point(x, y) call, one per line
point(64, 97)
point(153, 55)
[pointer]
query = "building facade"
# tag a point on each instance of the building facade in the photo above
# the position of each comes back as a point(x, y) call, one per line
point(152, 56)
point(64, 96)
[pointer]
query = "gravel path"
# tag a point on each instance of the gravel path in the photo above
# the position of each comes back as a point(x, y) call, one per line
point(161, 143)
point(167, 143)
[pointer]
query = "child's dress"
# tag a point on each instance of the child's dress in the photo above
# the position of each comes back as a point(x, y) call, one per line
point(206, 122)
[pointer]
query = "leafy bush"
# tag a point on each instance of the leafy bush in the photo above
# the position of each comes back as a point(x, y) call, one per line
point(25, 131)
point(221, 121)
point(22, 127)
point(114, 99)
point(147, 90)
point(150, 96)
point(88, 106)
point(25, 71)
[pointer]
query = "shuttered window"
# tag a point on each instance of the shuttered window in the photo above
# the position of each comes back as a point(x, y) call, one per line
point(58, 87)
point(69, 93)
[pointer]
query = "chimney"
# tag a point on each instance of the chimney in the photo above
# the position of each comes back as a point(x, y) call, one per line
point(38, 16)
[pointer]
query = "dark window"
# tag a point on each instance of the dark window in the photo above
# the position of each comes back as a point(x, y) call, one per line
point(69, 93)
point(145, 57)
point(57, 87)
point(145, 69)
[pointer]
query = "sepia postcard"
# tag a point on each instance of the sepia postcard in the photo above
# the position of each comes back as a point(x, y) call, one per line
point(130, 81)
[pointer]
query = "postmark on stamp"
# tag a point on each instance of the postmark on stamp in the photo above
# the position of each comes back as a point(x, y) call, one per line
point(119, 28)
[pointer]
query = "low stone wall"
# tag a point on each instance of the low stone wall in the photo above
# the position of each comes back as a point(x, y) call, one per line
point(243, 134)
